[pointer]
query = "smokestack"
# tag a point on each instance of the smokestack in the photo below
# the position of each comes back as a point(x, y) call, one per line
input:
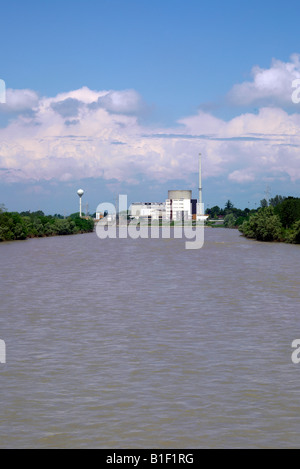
point(200, 184)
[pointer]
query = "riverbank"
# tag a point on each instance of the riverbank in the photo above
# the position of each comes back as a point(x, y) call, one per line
point(20, 226)
point(268, 224)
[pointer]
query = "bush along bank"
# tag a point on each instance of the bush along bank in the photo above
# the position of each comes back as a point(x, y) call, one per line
point(280, 223)
point(16, 226)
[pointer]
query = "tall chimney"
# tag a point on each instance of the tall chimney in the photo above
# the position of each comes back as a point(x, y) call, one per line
point(200, 185)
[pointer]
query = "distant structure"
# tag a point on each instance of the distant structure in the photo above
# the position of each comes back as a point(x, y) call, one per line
point(99, 216)
point(200, 179)
point(80, 193)
point(155, 210)
point(178, 206)
point(200, 216)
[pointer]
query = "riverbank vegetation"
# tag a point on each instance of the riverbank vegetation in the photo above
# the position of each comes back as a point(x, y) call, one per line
point(275, 223)
point(20, 226)
point(277, 219)
point(230, 216)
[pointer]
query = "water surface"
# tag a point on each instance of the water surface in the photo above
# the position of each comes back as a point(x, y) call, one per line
point(143, 344)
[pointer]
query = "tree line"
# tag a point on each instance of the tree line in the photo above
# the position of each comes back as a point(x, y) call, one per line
point(279, 222)
point(20, 226)
point(277, 219)
point(233, 217)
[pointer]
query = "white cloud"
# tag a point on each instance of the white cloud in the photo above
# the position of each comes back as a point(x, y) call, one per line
point(241, 176)
point(121, 102)
point(108, 141)
point(204, 123)
point(268, 86)
point(83, 94)
point(19, 100)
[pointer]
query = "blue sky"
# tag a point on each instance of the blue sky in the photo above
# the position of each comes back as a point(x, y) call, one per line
point(121, 95)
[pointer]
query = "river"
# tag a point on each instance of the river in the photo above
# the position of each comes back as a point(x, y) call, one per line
point(123, 343)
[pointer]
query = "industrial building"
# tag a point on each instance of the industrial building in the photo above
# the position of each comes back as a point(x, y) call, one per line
point(155, 210)
point(179, 206)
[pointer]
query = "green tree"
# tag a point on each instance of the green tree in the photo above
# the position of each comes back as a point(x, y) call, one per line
point(289, 211)
point(213, 212)
point(84, 225)
point(12, 226)
point(277, 200)
point(229, 205)
point(230, 221)
point(294, 234)
point(264, 203)
point(62, 227)
point(264, 225)
point(240, 220)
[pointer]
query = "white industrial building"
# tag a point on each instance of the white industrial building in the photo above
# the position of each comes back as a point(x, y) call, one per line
point(155, 210)
point(179, 205)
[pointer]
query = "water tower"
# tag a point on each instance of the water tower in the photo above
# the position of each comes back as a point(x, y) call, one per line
point(80, 192)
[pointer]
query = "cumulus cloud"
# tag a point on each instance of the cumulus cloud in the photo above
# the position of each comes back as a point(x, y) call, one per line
point(241, 176)
point(268, 86)
point(120, 102)
point(19, 100)
point(67, 108)
point(87, 133)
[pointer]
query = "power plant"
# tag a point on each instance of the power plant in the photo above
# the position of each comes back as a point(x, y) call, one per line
point(178, 206)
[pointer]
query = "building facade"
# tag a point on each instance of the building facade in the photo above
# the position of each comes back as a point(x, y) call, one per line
point(155, 210)
point(180, 205)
